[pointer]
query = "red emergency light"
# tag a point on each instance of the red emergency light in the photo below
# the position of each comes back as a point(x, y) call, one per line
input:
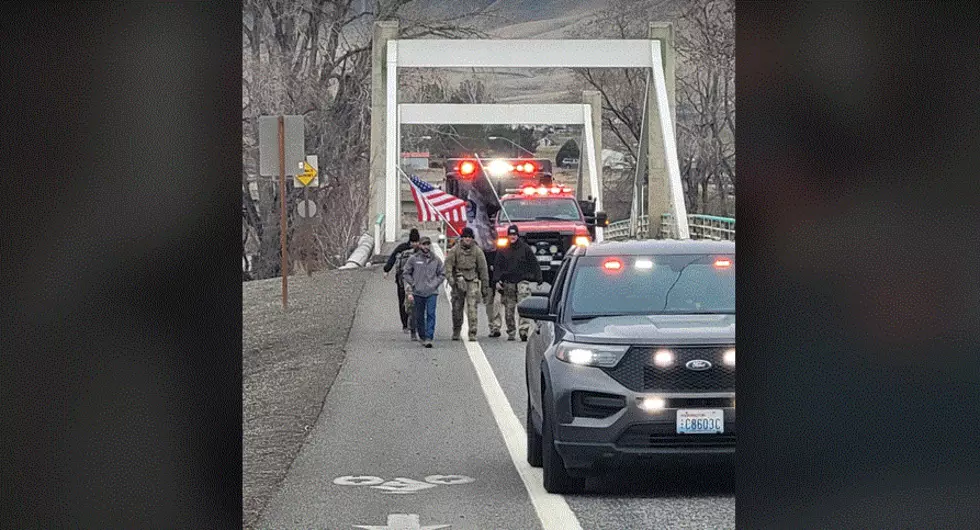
point(466, 168)
point(554, 190)
point(526, 167)
point(612, 264)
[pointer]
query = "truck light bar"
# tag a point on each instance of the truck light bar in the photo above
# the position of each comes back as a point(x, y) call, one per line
point(541, 190)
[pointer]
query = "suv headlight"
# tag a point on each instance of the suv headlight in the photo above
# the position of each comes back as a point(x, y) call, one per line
point(600, 355)
point(729, 357)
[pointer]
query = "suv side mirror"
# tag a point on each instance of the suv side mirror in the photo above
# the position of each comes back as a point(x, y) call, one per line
point(601, 219)
point(544, 290)
point(535, 308)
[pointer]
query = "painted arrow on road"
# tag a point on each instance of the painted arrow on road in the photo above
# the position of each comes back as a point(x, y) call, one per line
point(403, 521)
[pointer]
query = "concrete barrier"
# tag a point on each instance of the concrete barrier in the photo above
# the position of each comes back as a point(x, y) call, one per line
point(362, 252)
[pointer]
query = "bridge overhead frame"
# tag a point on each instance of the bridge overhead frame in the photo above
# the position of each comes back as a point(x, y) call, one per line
point(511, 53)
point(508, 114)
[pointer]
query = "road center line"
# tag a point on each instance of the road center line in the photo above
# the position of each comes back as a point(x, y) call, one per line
point(553, 512)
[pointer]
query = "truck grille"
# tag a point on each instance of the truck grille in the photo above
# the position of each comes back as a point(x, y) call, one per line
point(637, 372)
point(541, 243)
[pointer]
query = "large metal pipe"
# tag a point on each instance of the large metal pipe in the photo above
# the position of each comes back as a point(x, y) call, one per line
point(361, 254)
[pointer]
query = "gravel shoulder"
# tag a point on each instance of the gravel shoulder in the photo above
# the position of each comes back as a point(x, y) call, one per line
point(289, 361)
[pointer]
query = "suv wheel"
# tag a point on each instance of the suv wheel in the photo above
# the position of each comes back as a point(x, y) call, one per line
point(533, 440)
point(556, 477)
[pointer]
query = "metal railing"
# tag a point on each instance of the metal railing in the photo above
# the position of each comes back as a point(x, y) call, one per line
point(379, 229)
point(700, 226)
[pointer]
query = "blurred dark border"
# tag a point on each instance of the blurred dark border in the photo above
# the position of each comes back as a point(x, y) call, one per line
point(121, 331)
point(859, 273)
point(121, 356)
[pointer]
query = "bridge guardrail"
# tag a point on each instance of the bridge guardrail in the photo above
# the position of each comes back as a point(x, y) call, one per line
point(700, 226)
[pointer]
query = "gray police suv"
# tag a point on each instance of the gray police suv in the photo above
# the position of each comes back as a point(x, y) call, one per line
point(632, 360)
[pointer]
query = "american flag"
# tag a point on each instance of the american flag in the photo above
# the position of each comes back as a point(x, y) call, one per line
point(428, 199)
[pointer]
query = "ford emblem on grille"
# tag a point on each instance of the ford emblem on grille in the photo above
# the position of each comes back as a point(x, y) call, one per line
point(698, 364)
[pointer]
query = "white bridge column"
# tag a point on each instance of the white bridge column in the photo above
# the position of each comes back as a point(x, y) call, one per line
point(383, 32)
point(393, 214)
point(666, 193)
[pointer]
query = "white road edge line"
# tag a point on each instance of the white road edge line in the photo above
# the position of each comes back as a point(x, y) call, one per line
point(553, 511)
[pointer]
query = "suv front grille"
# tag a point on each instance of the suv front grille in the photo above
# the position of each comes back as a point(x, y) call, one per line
point(637, 372)
point(665, 436)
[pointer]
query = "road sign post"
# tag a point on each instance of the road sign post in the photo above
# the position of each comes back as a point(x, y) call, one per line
point(282, 211)
point(281, 152)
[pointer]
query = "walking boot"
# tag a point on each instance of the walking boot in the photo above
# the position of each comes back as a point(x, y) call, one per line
point(495, 333)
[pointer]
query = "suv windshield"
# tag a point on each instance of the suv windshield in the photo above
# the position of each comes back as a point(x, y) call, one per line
point(531, 209)
point(651, 285)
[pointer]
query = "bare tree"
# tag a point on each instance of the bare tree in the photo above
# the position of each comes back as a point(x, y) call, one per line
point(312, 58)
point(705, 43)
point(706, 86)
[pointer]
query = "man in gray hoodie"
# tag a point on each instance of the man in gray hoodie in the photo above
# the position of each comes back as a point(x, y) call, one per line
point(423, 276)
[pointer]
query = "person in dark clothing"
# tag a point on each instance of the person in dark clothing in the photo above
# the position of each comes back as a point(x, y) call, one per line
point(397, 261)
point(515, 267)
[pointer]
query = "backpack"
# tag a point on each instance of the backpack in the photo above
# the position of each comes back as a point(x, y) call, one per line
point(400, 261)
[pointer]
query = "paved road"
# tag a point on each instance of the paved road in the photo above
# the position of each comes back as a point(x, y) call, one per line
point(407, 439)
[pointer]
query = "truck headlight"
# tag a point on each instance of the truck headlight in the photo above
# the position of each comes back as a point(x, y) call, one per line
point(599, 355)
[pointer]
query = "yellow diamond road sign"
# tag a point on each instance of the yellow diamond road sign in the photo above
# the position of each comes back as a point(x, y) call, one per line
point(309, 173)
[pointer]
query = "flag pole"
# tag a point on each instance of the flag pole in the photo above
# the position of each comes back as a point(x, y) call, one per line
point(493, 187)
point(410, 183)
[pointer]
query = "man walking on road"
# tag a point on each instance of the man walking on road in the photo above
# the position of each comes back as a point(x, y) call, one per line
point(397, 260)
point(494, 307)
point(514, 270)
point(423, 275)
point(466, 269)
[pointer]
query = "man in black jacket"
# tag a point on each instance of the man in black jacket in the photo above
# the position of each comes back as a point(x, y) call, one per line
point(515, 267)
point(402, 252)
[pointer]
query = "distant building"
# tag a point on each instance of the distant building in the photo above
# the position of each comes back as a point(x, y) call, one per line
point(415, 160)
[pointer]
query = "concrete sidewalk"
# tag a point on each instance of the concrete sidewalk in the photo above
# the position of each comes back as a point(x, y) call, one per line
point(289, 362)
point(404, 432)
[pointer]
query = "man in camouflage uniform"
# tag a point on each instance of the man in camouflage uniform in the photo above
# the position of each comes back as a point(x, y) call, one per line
point(514, 269)
point(466, 270)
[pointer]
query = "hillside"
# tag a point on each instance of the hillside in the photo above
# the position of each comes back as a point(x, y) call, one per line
point(534, 19)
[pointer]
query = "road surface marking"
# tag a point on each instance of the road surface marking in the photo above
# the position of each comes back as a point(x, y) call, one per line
point(402, 521)
point(358, 481)
point(448, 479)
point(553, 511)
point(403, 485)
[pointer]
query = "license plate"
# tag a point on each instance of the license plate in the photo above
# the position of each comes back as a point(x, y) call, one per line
point(544, 258)
point(700, 421)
